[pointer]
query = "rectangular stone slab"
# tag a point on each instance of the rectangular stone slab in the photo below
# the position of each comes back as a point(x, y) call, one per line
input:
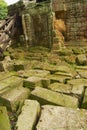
point(62, 118)
point(10, 83)
point(14, 98)
point(4, 119)
point(45, 96)
point(29, 115)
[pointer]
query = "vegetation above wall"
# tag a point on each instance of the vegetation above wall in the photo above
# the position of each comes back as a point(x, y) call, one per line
point(3, 9)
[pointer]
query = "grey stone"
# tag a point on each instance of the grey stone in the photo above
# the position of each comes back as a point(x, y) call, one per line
point(81, 59)
point(29, 115)
point(78, 86)
point(33, 72)
point(82, 73)
point(9, 83)
point(59, 78)
point(4, 119)
point(32, 82)
point(61, 118)
point(14, 98)
point(60, 87)
point(45, 96)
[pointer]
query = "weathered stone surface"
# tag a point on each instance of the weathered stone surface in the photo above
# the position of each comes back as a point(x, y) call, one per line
point(64, 74)
point(61, 118)
point(9, 83)
point(84, 103)
point(45, 96)
point(5, 75)
point(60, 87)
point(82, 73)
point(14, 98)
point(34, 23)
point(4, 119)
point(19, 65)
point(29, 115)
point(32, 82)
point(78, 86)
point(81, 59)
point(58, 78)
point(62, 68)
point(33, 72)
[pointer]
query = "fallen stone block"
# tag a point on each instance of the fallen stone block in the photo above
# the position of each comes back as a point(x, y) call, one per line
point(81, 59)
point(19, 65)
point(9, 83)
point(33, 72)
point(45, 96)
point(14, 98)
point(29, 115)
point(32, 82)
point(58, 78)
point(60, 87)
point(62, 118)
point(4, 119)
point(84, 103)
point(5, 75)
point(82, 73)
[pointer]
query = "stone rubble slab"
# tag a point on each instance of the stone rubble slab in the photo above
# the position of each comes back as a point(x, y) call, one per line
point(58, 78)
point(14, 98)
point(35, 72)
point(60, 87)
point(10, 83)
point(61, 118)
point(45, 96)
point(29, 115)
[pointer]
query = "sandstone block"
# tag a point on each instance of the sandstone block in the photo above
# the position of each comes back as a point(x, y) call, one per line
point(62, 118)
point(45, 96)
point(32, 82)
point(81, 59)
point(14, 98)
point(29, 115)
point(10, 83)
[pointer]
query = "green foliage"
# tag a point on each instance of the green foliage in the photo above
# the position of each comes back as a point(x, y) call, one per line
point(3, 9)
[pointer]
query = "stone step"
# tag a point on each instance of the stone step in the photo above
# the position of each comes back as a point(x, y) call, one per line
point(61, 118)
point(45, 96)
point(29, 115)
point(14, 98)
point(10, 83)
point(4, 119)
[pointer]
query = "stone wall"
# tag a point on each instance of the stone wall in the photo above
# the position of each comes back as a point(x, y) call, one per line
point(74, 13)
point(37, 23)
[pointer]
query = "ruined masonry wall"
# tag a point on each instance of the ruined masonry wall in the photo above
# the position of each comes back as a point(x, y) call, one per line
point(75, 17)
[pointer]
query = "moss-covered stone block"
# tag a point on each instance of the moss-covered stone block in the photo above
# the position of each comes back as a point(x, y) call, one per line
point(10, 83)
point(45, 96)
point(81, 59)
point(4, 119)
point(32, 82)
point(29, 115)
point(14, 98)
